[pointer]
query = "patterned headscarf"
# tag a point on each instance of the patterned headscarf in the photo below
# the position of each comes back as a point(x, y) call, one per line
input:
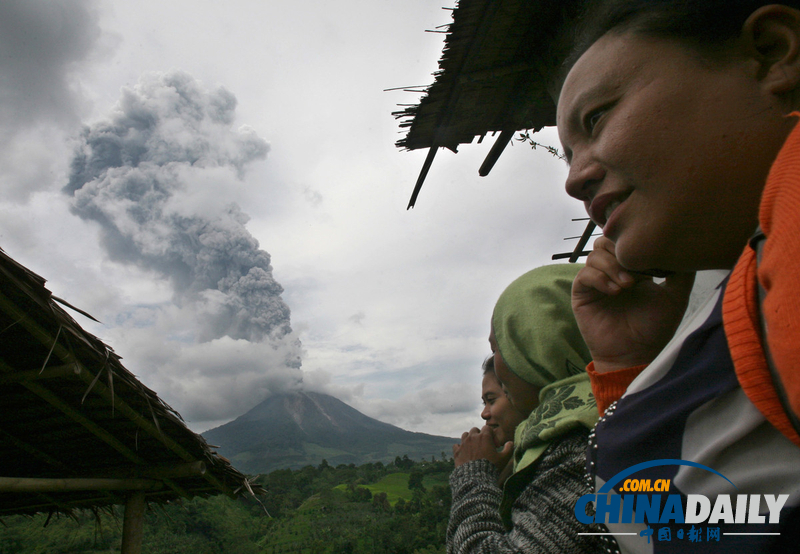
point(539, 340)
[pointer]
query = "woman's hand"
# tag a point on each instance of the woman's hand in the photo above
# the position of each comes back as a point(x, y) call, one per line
point(625, 319)
point(479, 445)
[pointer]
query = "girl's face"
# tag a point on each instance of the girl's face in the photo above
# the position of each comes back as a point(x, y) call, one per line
point(669, 152)
point(498, 412)
point(522, 395)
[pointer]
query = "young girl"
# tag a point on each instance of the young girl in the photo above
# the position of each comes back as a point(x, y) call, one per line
point(678, 120)
point(498, 412)
point(539, 357)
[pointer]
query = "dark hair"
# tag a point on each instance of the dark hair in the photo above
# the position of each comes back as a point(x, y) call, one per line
point(488, 365)
point(706, 25)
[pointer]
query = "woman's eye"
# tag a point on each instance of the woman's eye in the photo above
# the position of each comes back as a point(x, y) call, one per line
point(593, 118)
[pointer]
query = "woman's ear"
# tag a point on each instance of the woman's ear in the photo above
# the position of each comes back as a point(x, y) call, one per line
point(772, 34)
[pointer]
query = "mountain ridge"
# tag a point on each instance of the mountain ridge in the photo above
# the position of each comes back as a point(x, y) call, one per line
point(296, 429)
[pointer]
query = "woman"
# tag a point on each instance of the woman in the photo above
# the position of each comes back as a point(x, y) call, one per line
point(498, 412)
point(673, 116)
point(539, 357)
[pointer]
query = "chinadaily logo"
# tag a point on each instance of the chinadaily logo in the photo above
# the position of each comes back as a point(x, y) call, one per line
point(670, 516)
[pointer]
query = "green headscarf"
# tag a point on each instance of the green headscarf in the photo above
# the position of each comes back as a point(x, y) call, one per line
point(535, 329)
point(539, 340)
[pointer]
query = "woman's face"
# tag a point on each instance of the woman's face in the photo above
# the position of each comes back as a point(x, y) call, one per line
point(498, 412)
point(522, 395)
point(668, 152)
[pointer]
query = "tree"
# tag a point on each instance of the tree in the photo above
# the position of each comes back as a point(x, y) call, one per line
point(380, 502)
point(415, 481)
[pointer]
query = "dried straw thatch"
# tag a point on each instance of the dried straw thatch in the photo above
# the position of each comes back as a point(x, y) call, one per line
point(77, 429)
point(499, 61)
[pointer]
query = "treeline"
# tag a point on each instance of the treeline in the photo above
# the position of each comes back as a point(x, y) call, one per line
point(396, 508)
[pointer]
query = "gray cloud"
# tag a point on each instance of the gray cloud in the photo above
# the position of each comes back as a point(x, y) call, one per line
point(313, 197)
point(41, 42)
point(154, 175)
point(44, 44)
point(357, 318)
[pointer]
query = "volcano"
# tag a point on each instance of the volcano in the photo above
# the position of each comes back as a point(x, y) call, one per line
point(303, 428)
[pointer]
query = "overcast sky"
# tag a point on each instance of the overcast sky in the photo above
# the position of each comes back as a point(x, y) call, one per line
point(171, 167)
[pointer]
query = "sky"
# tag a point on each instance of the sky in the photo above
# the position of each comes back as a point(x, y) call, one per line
point(218, 184)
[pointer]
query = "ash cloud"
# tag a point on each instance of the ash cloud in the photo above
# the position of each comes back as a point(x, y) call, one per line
point(154, 175)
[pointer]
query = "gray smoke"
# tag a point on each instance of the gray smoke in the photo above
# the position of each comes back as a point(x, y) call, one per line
point(154, 175)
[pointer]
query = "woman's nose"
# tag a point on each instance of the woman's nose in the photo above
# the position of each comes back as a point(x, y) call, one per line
point(486, 414)
point(584, 178)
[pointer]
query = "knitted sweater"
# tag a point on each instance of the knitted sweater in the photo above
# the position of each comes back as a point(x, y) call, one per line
point(543, 515)
point(778, 274)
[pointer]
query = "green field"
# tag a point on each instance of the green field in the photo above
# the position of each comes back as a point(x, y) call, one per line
point(314, 510)
point(395, 485)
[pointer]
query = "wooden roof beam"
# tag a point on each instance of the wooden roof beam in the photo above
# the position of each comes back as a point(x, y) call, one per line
point(579, 248)
point(40, 374)
point(587, 234)
point(422, 174)
point(48, 503)
point(36, 485)
point(46, 458)
point(160, 472)
point(497, 148)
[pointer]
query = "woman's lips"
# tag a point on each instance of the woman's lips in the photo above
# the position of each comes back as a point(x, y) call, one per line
point(604, 205)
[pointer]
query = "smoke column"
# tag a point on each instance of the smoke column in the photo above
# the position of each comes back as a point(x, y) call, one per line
point(153, 175)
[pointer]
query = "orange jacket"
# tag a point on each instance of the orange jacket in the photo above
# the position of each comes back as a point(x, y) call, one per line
point(779, 275)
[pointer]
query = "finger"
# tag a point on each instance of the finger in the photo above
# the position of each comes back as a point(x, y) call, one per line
point(506, 454)
point(592, 280)
point(487, 435)
point(604, 257)
point(474, 431)
point(464, 436)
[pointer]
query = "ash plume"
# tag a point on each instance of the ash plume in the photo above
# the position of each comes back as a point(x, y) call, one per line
point(154, 176)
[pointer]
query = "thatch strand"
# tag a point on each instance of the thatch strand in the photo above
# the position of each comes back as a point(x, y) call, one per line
point(50, 352)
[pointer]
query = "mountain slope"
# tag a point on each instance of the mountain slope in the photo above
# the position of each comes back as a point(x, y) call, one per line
point(297, 429)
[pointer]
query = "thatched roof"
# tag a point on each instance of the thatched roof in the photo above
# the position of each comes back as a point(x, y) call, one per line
point(499, 59)
point(77, 429)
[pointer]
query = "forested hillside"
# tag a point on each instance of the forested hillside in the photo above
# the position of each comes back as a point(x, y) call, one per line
point(398, 508)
